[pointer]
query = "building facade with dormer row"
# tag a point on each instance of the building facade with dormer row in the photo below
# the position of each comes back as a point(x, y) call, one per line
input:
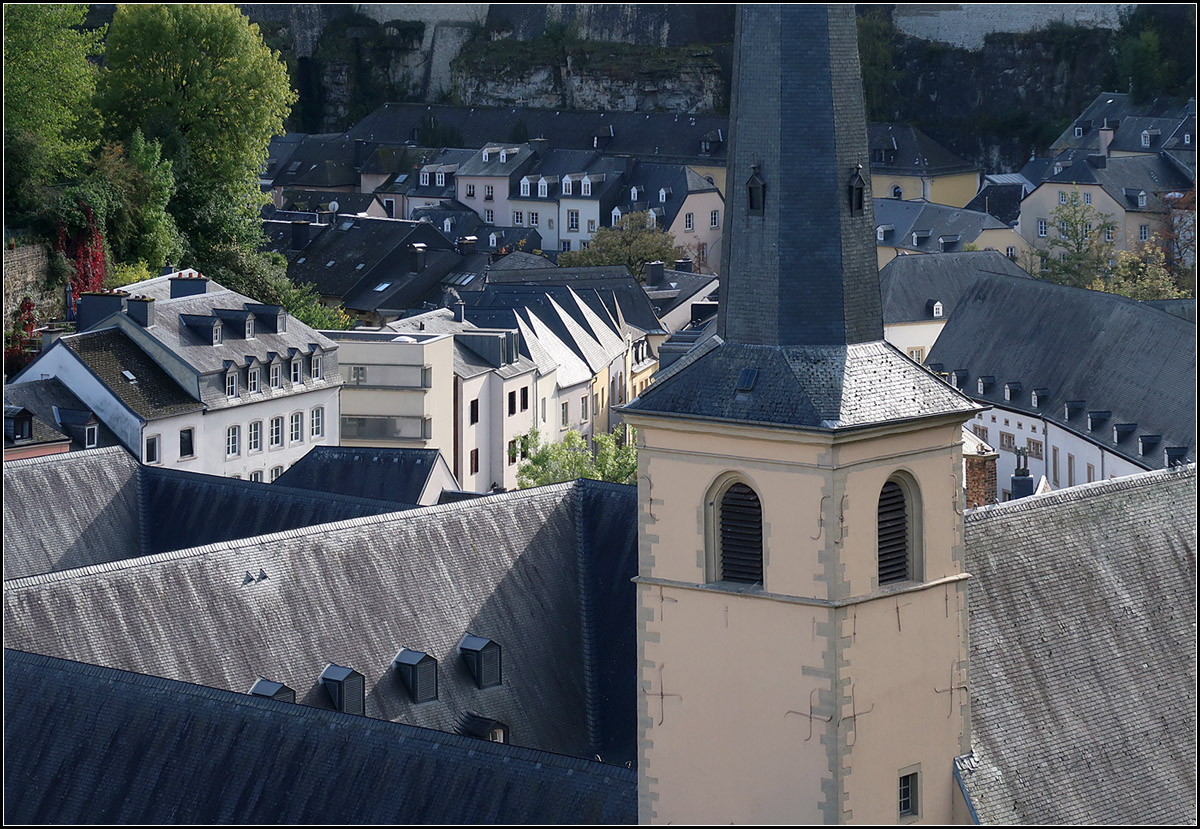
point(190, 375)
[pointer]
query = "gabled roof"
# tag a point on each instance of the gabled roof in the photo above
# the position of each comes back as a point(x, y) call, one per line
point(901, 149)
point(309, 201)
point(651, 180)
point(356, 591)
point(1001, 200)
point(59, 411)
point(613, 284)
point(518, 158)
point(1126, 177)
point(364, 472)
point(1088, 702)
point(677, 288)
point(1113, 353)
point(84, 508)
point(908, 283)
point(98, 744)
point(937, 226)
point(1116, 108)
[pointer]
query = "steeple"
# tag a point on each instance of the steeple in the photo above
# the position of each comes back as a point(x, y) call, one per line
point(799, 264)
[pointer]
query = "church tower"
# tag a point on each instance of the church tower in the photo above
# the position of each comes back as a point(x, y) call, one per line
point(802, 601)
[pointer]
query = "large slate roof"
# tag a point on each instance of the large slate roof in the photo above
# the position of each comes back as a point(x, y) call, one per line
point(61, 412)
point(1115, 108)
point(1114, 354)
point(958, 225)
point(67, 511)
point(545, 573)
point(1123, 178)
point(616, 288)
point(88, 744)
point(1083, 654)
point(901, 149)
point(809, 387)
point(364, 472)
point(908, 283)
point(1001, 200)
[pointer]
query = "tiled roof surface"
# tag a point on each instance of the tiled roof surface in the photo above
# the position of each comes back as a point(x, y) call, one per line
point(1083, 654)
point(545, 573)
point(816, 387)
point(936, 220)
point(908, 283)
point(363, 472)
point(109, 353)
point(1112, 353)
point(93, 744)
point(613, 285)
point(42, 397)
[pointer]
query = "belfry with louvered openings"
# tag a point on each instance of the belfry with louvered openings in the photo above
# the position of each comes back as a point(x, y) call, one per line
point(799, 490)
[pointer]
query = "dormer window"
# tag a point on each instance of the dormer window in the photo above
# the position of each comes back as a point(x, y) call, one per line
point(857, 189)
point(586, 187)
point(616, 215)
point(486, 156)
point(216, 333)
point(756, 193)
point(1079, 132)
point(441, 179)
point(316, 372)
point(938, 310)
point(483, 660)
point(1058, 168)
point(503, 156)
point(543, 189)
point(425, 177)
point(296, 371)
point(1187, 139)
point(492, 241)
point(1146, 138)
point(249, 328)
point(662, 194)
point(525, 187)
point(897, 192)
point(447, 226)
point(566, 186)
point(1141, 199)
point(633, 193)
point(231, 385)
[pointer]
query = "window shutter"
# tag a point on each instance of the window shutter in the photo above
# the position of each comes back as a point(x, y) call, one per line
point(741, 535)
point(893, 534)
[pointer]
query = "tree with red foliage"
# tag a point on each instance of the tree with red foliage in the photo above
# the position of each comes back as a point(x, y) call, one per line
point(18, 342)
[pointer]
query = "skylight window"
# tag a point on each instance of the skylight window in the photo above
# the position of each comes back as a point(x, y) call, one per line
point(128, 375)
point(382, 286)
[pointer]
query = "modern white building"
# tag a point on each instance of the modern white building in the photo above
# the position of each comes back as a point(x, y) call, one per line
point(190, 375)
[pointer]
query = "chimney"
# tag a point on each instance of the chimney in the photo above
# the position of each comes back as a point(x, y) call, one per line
point(96, 305)
point(1022, 485)
point(50, 335)
point(466, 245)
point(980, 476)
point(683, 265)
point(1106, 137)
point(1098, 161)
point(460, 314)
point(539, 145)
point(188, 286)
point(419, 253)
point(167, 270)
point(300, 231)
point(141, 310)
point(656, 273)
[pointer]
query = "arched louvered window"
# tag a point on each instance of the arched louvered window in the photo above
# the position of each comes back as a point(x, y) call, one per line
point(741, 536)
point(893, 534)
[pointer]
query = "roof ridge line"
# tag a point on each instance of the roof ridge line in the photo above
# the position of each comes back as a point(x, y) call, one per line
point(64, 457)
point(1080, 492)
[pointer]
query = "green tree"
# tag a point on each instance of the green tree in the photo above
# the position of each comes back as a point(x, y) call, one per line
point(1141, 275)
point(569, 459)
point(49, 81)
point(1080, 248)
point(877, 54)
point(631, 242)
point(199, 80)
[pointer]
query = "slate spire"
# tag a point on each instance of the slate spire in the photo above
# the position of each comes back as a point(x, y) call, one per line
point(799, 264)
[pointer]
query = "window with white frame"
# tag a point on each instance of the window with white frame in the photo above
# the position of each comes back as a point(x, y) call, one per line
point(318, 371)
point(297, 431)
point(583, 408)
point(525, 187)
point(151, 454)
point(1062, 197)
point(518, 218)
point(566, 245)
point(252, 381)
point(254, 436)
point(573, 221)
point(566, 414)
point(1062, 228)
point(249, 328)
point(543, 189)
point(908, 795)
point(1145, 139)
point(233, 441)
point(689, 221)
point(503, 156)
point(276, 471)
point(1042, 226)
point(533, 219)
point(276, 432)
point(256, 475)
point(424, 178)
point(566, 186)
point(1010, 252)
point(586, 187)
point(276, 378)
point(1079, 132)
point(91, 436)
point(489, 216)
point(1143, 233)
point(441, 179)
point(317, 422)
point(296, 380)
point(217, 334)
point(231, 385)
point(1141, 199)
point(1087, 198)
point(489, 191)
point(591, 225)
point(447, 226)
point(470, 191)
point(187, 443)
point(616, 215)
point(1109, 234)
point(714, 219)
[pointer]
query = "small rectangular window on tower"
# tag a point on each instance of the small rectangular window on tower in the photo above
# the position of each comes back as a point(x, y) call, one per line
point(908, 794)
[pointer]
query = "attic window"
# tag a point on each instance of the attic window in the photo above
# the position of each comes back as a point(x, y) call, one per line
point(566, 186)
point(486, 155)
point(503, 156)
point(662, 194)
point(382, 286)
point(756, 193)
point(329, 264)
point(483, 660)
point(745, 383)
point(897, 192)
point(586, 187)
point(217, 333)
point(1141, 199)
point(447, 226)
point(543, 189)
point(938, 310)
point(129, 377)
point(424, 178)
point(1146, 138)
point(857, 190)
point(418, 670)
point(441, 179)
point(1079, 132)
point(525, 187)
point(249, 328)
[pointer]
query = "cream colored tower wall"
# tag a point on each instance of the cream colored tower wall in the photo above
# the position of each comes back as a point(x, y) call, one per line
point(733, 677)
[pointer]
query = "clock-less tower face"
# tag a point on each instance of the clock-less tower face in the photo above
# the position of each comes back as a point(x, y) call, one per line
point(802, 627)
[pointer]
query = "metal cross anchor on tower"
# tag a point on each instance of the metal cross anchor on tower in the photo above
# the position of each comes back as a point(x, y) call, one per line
point(810, 716)
point(662, 697)
point(854, 715)
point(950, 690)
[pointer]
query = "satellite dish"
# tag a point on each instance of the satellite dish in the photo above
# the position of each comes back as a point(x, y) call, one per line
point(333, 207)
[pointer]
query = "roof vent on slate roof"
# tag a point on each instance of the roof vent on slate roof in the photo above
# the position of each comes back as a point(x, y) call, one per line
point(1072, 408)
point(1146, 443)
point(1122, 431)
point(475, 725)
point(1096, 419)
point(1038, 397)
point(1174, 456)
point(347, 688)
point(483, 659)
point(272, 690)
point(745, 383)
point(419, 672)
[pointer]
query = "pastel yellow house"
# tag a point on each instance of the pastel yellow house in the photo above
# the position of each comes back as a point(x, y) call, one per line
point(908, 164)
point(908, 227)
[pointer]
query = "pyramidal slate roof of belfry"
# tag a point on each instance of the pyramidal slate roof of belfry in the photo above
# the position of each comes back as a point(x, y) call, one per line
point(545, 573)
point(100, 745)
point(800, 335)
point(1089, 702)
